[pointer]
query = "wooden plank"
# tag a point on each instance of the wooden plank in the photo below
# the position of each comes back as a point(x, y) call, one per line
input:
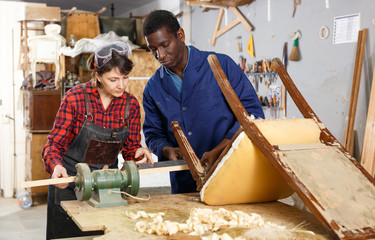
point(241, 18)
point(145, 65)
point(177, 208)
point(220, 31)
point(163, 169)
point(217, 26)
point(349, 133)
point(227, 27)
point(47, 182)
point(35, 13)
point(368, 150)
point(292, 175)
point(224, 3)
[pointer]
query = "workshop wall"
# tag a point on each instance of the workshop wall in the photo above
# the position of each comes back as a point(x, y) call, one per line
point(325, 72)
point(170, 5)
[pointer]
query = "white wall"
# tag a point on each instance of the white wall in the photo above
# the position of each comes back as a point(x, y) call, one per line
point(12, 133)
point(324, 74)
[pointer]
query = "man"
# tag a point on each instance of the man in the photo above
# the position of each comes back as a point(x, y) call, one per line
point(184, 89)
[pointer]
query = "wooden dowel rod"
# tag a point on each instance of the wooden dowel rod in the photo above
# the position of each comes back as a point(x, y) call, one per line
point(163, 169)
point(349, 133)
point(45, 182)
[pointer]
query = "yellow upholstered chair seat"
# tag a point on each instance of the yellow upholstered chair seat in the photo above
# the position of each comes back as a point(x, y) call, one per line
point(244, 175)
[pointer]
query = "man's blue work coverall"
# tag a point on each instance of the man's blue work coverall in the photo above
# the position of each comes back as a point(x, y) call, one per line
point(201, 109)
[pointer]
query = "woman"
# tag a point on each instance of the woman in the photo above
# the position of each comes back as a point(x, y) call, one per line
point(97, 118)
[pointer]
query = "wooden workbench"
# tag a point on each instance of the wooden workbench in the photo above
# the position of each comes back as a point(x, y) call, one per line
point(117, 225)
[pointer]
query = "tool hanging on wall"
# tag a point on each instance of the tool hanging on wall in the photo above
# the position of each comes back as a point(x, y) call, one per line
point(285, 54)
point(294, 53)
point(296, 2)
point(250, 46)
point(323, 32)
point(239, 43)
point(285, 62)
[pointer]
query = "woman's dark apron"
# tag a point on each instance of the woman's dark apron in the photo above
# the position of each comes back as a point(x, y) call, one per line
point(96, 146)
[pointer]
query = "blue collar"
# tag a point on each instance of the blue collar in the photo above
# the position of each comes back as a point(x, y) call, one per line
point(175, 78)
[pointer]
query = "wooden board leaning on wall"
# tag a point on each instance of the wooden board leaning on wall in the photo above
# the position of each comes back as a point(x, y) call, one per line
point(145, 65)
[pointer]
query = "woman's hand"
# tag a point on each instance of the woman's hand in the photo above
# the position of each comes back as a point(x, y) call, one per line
point(145, 156)
point(60, 172)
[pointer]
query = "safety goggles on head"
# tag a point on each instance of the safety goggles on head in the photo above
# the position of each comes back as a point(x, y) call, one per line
point(104, 53)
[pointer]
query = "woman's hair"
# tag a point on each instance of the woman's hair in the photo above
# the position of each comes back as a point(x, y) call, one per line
point(158, 19)
point(122, 62)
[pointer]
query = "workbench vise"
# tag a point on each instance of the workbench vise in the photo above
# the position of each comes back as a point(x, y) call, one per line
point(102, 188)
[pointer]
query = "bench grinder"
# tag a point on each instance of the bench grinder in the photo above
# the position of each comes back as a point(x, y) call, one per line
point(102, 187)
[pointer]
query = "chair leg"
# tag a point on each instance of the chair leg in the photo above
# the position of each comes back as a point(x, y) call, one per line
point(33, 66)
point(57, 73)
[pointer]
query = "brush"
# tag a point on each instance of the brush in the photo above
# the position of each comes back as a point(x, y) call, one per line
point(294, 54)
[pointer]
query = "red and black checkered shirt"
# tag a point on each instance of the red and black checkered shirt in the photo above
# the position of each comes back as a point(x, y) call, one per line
point(71, 115)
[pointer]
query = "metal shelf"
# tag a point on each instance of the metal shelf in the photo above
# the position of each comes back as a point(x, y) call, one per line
point(263, 73)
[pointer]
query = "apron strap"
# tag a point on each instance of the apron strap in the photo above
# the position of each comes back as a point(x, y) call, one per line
point(126, 115)
point(87, 105)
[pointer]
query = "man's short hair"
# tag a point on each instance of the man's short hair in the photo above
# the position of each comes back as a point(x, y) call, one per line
point(158, 19)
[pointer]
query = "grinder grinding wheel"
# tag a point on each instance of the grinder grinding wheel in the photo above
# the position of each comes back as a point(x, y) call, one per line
point(132, 172)
point(103, 187)
point(83, 187)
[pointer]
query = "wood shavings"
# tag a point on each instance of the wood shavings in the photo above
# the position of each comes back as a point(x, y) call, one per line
point(201, 222)
point(224, 236)
point(143, 214)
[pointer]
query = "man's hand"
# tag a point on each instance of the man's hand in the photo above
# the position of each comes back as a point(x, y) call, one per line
point(209, 158)
point(171, 153)
point(146, 156)
point(60, 172)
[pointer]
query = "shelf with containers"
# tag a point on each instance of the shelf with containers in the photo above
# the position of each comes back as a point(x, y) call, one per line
point(74, 71)
point(271, 93)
